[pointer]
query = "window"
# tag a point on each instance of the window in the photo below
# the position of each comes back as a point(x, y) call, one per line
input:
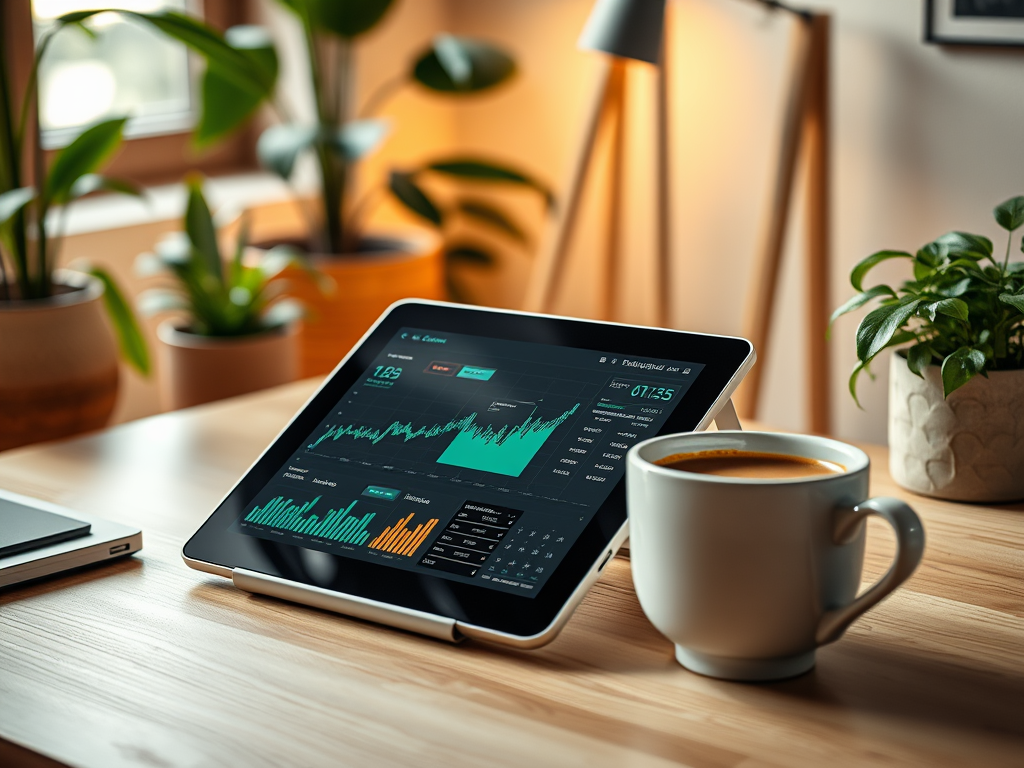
point(124, 68)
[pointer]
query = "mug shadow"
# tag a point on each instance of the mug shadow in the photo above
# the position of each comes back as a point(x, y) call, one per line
point(861, 677)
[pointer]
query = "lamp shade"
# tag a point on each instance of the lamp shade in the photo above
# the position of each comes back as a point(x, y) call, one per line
point(628, 28)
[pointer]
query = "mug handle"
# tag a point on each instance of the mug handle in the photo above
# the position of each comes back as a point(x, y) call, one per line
point(909, 549)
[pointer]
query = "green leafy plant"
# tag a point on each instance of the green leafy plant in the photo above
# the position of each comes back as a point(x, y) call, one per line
point(29, 241)
point(241, 74)
point(964, 309)
point(220, 297)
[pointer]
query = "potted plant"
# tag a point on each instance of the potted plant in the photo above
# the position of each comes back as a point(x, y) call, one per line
point(372, 270)
point(235, 331)
point(58, 360)
point(956, 390)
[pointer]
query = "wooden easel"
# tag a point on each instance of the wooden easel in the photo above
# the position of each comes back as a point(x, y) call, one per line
point(805, 129)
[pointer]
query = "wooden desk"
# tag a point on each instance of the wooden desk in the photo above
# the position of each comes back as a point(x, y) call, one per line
point(146, 662)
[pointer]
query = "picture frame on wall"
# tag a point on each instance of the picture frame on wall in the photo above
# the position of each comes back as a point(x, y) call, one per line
point(974, 22)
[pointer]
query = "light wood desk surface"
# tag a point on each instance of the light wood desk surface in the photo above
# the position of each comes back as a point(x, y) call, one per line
point(148, 663)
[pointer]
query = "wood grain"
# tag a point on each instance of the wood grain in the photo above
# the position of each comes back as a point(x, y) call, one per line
point(146, 662)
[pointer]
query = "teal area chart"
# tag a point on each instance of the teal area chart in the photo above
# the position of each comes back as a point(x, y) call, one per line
point(506, 451)
point(503, 449)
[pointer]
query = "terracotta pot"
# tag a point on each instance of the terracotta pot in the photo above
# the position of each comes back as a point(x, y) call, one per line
point(366, 283)
point(198, 369)
point(58, 363)
point(968, 447)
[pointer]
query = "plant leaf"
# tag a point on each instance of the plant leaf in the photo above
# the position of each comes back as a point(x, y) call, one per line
point(464, 253)
point(950, 307)
point(347, 18)
point(157, 300)
point(13, 202)
point(129, 337)
point(462, 65)
point(919, 357)
point(85, 154)
point(494, 217)
point(960, 367)
point(200, 229)
point(94, 182)
point(412, 196)
point(1015, 300)
point(477, 169)
point(860, 300)
point(279, 146)
point(853, 380)
point(283, 312)
point(360, 137)
point(861, 270)
point(964, 244)
point(879, 326)
point(959, 288)
point(1010, 214)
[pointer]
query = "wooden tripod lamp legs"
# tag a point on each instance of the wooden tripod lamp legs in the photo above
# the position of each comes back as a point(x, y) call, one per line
point(806, 129)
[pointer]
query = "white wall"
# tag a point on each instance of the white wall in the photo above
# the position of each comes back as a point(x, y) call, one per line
point(926, 140)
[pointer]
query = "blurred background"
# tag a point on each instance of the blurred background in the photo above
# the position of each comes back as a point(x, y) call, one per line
point(925, 139)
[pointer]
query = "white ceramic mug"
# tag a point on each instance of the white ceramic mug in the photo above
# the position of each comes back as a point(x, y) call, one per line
point(748, 576)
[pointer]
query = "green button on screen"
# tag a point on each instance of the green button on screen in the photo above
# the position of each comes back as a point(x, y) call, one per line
point(472, 372)
point(377, 492)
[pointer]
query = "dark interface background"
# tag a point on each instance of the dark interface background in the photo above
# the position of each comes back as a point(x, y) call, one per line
point(475, 459)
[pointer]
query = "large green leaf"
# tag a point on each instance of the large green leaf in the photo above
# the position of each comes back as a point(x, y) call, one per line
point(960, 367)
point(462, 65)
point(919, 357)
point(94, 182)
point(956, 308)
point(1013, 300)
point(347, 18)
point(359, 138)
point(860, 300)
point(964, 244)
point(1010, 214)
point(467, 253)
point(477, 169)
point(225, 105)
point(129, 337)
point(878, 327)
point(85, 154)
point(279, 146)
point(200, 229)
point(484, 212)
point(861, 270)
point(412, 196)
point(13, 202)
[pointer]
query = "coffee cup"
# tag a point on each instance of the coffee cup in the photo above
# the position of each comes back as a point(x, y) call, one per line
point(748, 576)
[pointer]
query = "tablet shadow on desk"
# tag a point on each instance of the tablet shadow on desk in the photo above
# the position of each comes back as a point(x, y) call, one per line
point(863, 677)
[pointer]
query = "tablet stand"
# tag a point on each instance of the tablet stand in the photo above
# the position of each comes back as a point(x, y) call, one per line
point(726, 417)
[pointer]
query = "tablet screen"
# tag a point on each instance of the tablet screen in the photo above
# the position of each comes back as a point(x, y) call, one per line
point(474, 459)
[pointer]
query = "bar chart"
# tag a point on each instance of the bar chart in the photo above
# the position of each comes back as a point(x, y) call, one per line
point(337, 524)
point(400, 539)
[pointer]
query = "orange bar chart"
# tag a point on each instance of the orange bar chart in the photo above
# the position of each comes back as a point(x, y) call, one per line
point(399, 539)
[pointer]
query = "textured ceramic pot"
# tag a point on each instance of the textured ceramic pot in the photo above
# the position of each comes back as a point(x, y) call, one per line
point(385, 270)
point(967, 447)
point(58, 363)
point(199, 369)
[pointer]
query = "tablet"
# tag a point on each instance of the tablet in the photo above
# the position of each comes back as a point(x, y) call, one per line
point(462, 468)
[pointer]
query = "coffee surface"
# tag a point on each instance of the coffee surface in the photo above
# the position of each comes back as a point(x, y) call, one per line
point(729, 462)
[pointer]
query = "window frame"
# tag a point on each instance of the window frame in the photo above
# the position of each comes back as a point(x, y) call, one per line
point(155, 159)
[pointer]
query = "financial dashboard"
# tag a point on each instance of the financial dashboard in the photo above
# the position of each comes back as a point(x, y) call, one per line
point(475, 459)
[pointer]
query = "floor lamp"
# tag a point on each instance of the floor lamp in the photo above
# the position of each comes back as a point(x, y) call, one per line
point(634, 30)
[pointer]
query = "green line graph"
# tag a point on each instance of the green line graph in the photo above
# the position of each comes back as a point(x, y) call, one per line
point(504, 451)
point(337, 524)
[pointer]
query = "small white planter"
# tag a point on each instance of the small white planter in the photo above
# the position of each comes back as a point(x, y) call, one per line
point(968, 447)
point(199, 369)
